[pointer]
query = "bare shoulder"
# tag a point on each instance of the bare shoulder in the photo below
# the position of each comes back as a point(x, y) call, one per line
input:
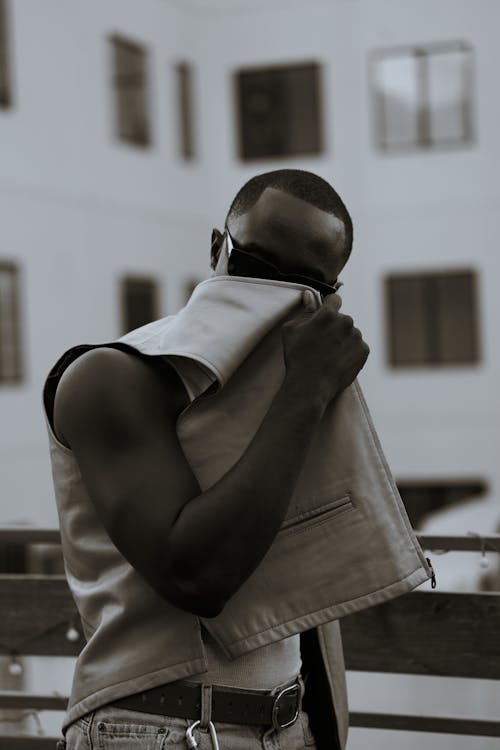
point(106, 384)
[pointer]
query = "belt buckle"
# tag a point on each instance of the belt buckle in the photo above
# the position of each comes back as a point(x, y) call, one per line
point(274, 714)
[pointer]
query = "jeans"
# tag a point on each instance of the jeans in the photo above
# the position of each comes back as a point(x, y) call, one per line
point(111, 728)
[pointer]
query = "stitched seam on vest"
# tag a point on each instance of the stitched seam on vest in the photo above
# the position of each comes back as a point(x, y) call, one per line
point(326, 609)
point(57, 443)
point(336, 504)
point(194, 356)
point(388, 475)
point(176, 353)
point(263, 282)
point(143, 340)
point(312, 523)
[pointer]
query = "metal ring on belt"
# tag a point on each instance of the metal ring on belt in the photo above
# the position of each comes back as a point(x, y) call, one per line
point(233, 705)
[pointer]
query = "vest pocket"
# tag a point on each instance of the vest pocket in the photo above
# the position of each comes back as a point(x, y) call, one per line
point(316, 516)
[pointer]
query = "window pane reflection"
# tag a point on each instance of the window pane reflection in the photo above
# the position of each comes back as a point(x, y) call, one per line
point(398, 91)
point(447, 95)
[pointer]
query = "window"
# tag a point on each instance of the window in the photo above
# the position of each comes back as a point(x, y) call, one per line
point(279, 111)
point(432, 318)
point(185, 109)
point(422, 96)
point(139, 297)
point(5, 95)
point(421, 497)
point(10, 355)
point(131, 91)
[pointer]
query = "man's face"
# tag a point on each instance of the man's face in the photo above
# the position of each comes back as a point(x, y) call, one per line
point(292, 234)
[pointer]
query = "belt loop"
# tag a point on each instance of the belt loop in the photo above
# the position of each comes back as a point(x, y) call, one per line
point(206, 706)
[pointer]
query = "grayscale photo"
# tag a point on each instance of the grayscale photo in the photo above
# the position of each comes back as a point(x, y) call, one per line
point(249, 411)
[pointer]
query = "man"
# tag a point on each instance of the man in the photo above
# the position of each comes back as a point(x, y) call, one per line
point(153, 554)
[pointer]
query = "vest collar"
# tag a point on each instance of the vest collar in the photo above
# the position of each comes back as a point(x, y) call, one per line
point(223, 321)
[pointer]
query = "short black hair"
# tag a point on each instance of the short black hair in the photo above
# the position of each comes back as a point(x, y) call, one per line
point(301, 184)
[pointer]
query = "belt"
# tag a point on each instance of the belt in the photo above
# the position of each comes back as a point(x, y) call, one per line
point(233, 705)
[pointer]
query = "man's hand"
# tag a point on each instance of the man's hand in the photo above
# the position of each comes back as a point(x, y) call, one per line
point(323, 349)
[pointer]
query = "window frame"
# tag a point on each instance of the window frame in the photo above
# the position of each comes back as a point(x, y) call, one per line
point(5, 56)
point(184, 77)
point(115, 42)
point(424, 142)
point(318, 67)
point(12, 268)
point(434, 362)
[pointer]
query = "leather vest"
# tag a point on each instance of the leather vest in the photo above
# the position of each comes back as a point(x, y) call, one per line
point(345, 544)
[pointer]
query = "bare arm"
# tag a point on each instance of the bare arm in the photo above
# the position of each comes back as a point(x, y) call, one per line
point(118, 415)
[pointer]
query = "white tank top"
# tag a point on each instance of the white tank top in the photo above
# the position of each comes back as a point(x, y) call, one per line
point(262, 669)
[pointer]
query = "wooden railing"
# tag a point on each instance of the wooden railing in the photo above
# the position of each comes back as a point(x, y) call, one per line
point(420, 633)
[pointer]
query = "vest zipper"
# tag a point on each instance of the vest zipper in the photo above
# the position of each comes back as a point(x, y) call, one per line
point(433, 575)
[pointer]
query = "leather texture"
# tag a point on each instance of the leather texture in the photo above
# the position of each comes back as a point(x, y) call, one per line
point(346, 542)
point(183, 699)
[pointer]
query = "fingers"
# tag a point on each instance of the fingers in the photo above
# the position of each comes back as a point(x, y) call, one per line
point(332, 301)
point(348, 322)
point(308, 301)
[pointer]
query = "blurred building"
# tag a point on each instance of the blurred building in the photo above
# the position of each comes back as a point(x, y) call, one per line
point(125, 130)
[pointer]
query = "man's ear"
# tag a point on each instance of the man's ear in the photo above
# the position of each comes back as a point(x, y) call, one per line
point(215, 247)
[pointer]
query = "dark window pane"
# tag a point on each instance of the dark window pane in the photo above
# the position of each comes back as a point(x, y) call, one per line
point(185, 109)
point(279, 111)
point(432, 319)
point(457, 321)
point(10, 355)
point(5, 98)
point(139, 302)
point(406, 313)
point(131, 91)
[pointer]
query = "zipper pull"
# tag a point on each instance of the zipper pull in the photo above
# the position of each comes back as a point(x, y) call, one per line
point(433, 575)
